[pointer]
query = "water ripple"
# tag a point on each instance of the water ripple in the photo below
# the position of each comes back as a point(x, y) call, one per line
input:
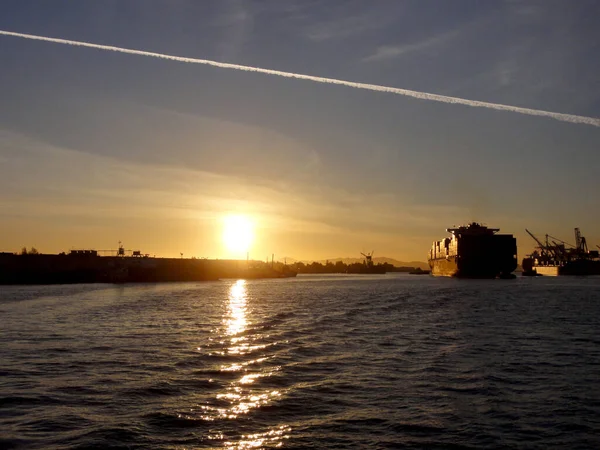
point(313, 362)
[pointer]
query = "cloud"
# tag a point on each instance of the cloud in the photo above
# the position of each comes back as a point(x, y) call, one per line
point(39, 178)
point(529, 8)
point(343, 27)
point(43, 180)
point(330, 21)
point(506, 72)
point(371, 87)
point(47, 186)
point(237, 22)
point(387, 52)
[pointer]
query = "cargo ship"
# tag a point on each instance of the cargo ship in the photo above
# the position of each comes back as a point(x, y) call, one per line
point(474, 251)
point(555, 257)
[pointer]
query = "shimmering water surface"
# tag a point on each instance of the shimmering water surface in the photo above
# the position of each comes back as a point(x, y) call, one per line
point(315, 362)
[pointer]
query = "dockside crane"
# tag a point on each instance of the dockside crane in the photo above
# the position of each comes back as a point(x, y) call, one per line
point(559, 251)
point(535, 239)
point(544, 249)
point(368, 258)
point(580, 242)
point(554, 251)
point(559, 240)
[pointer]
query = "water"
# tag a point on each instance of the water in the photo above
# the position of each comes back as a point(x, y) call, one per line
point(315, 362)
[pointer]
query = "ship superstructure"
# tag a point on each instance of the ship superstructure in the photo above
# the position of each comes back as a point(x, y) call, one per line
point(474, 251)
point(554, 257)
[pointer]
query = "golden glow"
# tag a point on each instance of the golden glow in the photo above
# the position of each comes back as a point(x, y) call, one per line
point(271, 438)
point(241, 397)
point(238, 233)
point(245, 393)
point(236, 322)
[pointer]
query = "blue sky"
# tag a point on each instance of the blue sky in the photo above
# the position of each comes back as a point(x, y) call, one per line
point(98, 146)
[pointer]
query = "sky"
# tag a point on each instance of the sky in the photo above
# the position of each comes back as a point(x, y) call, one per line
point(98, 146)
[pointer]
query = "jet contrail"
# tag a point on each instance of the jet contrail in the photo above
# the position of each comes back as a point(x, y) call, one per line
point(371, 87)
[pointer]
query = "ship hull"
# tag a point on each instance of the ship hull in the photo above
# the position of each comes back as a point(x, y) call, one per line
point(474, 252)
point(547, 271)
point(444, 267)
point(454, 268)
point(574, 268)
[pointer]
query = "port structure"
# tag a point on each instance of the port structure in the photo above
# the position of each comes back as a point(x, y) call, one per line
point(368, 258)
point(556, 251)
point(120, 252)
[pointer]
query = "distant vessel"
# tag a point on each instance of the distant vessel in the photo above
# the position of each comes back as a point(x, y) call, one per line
point(556, 257)
point(474, 251)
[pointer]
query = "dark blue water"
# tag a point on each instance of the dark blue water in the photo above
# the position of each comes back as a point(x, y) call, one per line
point(313, 362)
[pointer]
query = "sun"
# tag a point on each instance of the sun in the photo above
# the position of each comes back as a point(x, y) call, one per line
point(238, 233)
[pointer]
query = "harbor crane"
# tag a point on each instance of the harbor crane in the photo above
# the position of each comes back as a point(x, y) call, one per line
point(556, 250)
point(545, 249)
point(368, 258)
point(580, 242)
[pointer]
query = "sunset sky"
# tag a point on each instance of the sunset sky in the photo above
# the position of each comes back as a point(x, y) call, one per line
point(99, 146)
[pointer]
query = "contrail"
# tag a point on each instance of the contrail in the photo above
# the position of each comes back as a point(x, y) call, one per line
point(371, 87)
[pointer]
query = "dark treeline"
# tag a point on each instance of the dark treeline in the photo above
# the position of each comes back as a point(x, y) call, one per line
point(341, 267)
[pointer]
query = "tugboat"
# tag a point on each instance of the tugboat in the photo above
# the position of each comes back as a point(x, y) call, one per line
point(556, 257)
point(474, 251)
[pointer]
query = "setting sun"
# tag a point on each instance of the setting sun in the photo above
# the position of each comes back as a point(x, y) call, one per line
point(238, 233)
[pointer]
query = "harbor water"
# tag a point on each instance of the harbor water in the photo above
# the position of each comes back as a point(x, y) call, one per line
point(381, 361)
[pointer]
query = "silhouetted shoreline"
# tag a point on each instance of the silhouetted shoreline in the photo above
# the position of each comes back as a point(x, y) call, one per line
point(89, 267)
point(86, 266)
point(352, 268)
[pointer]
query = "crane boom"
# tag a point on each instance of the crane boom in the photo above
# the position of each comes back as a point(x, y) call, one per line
point(561, 241)
point(542, 246)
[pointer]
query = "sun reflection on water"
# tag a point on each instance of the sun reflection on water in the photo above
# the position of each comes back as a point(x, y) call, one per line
point(236, 322)
point(244, 394)
point(272, 438)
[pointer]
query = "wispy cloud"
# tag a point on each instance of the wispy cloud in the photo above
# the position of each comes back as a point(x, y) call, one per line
point(526, 7)
point(43, 183)
point(506, 72)
point(82, 191)
point(236, 21)
point(371, 87)
point(342, 28)
point(347, 20)
point(386, 52)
